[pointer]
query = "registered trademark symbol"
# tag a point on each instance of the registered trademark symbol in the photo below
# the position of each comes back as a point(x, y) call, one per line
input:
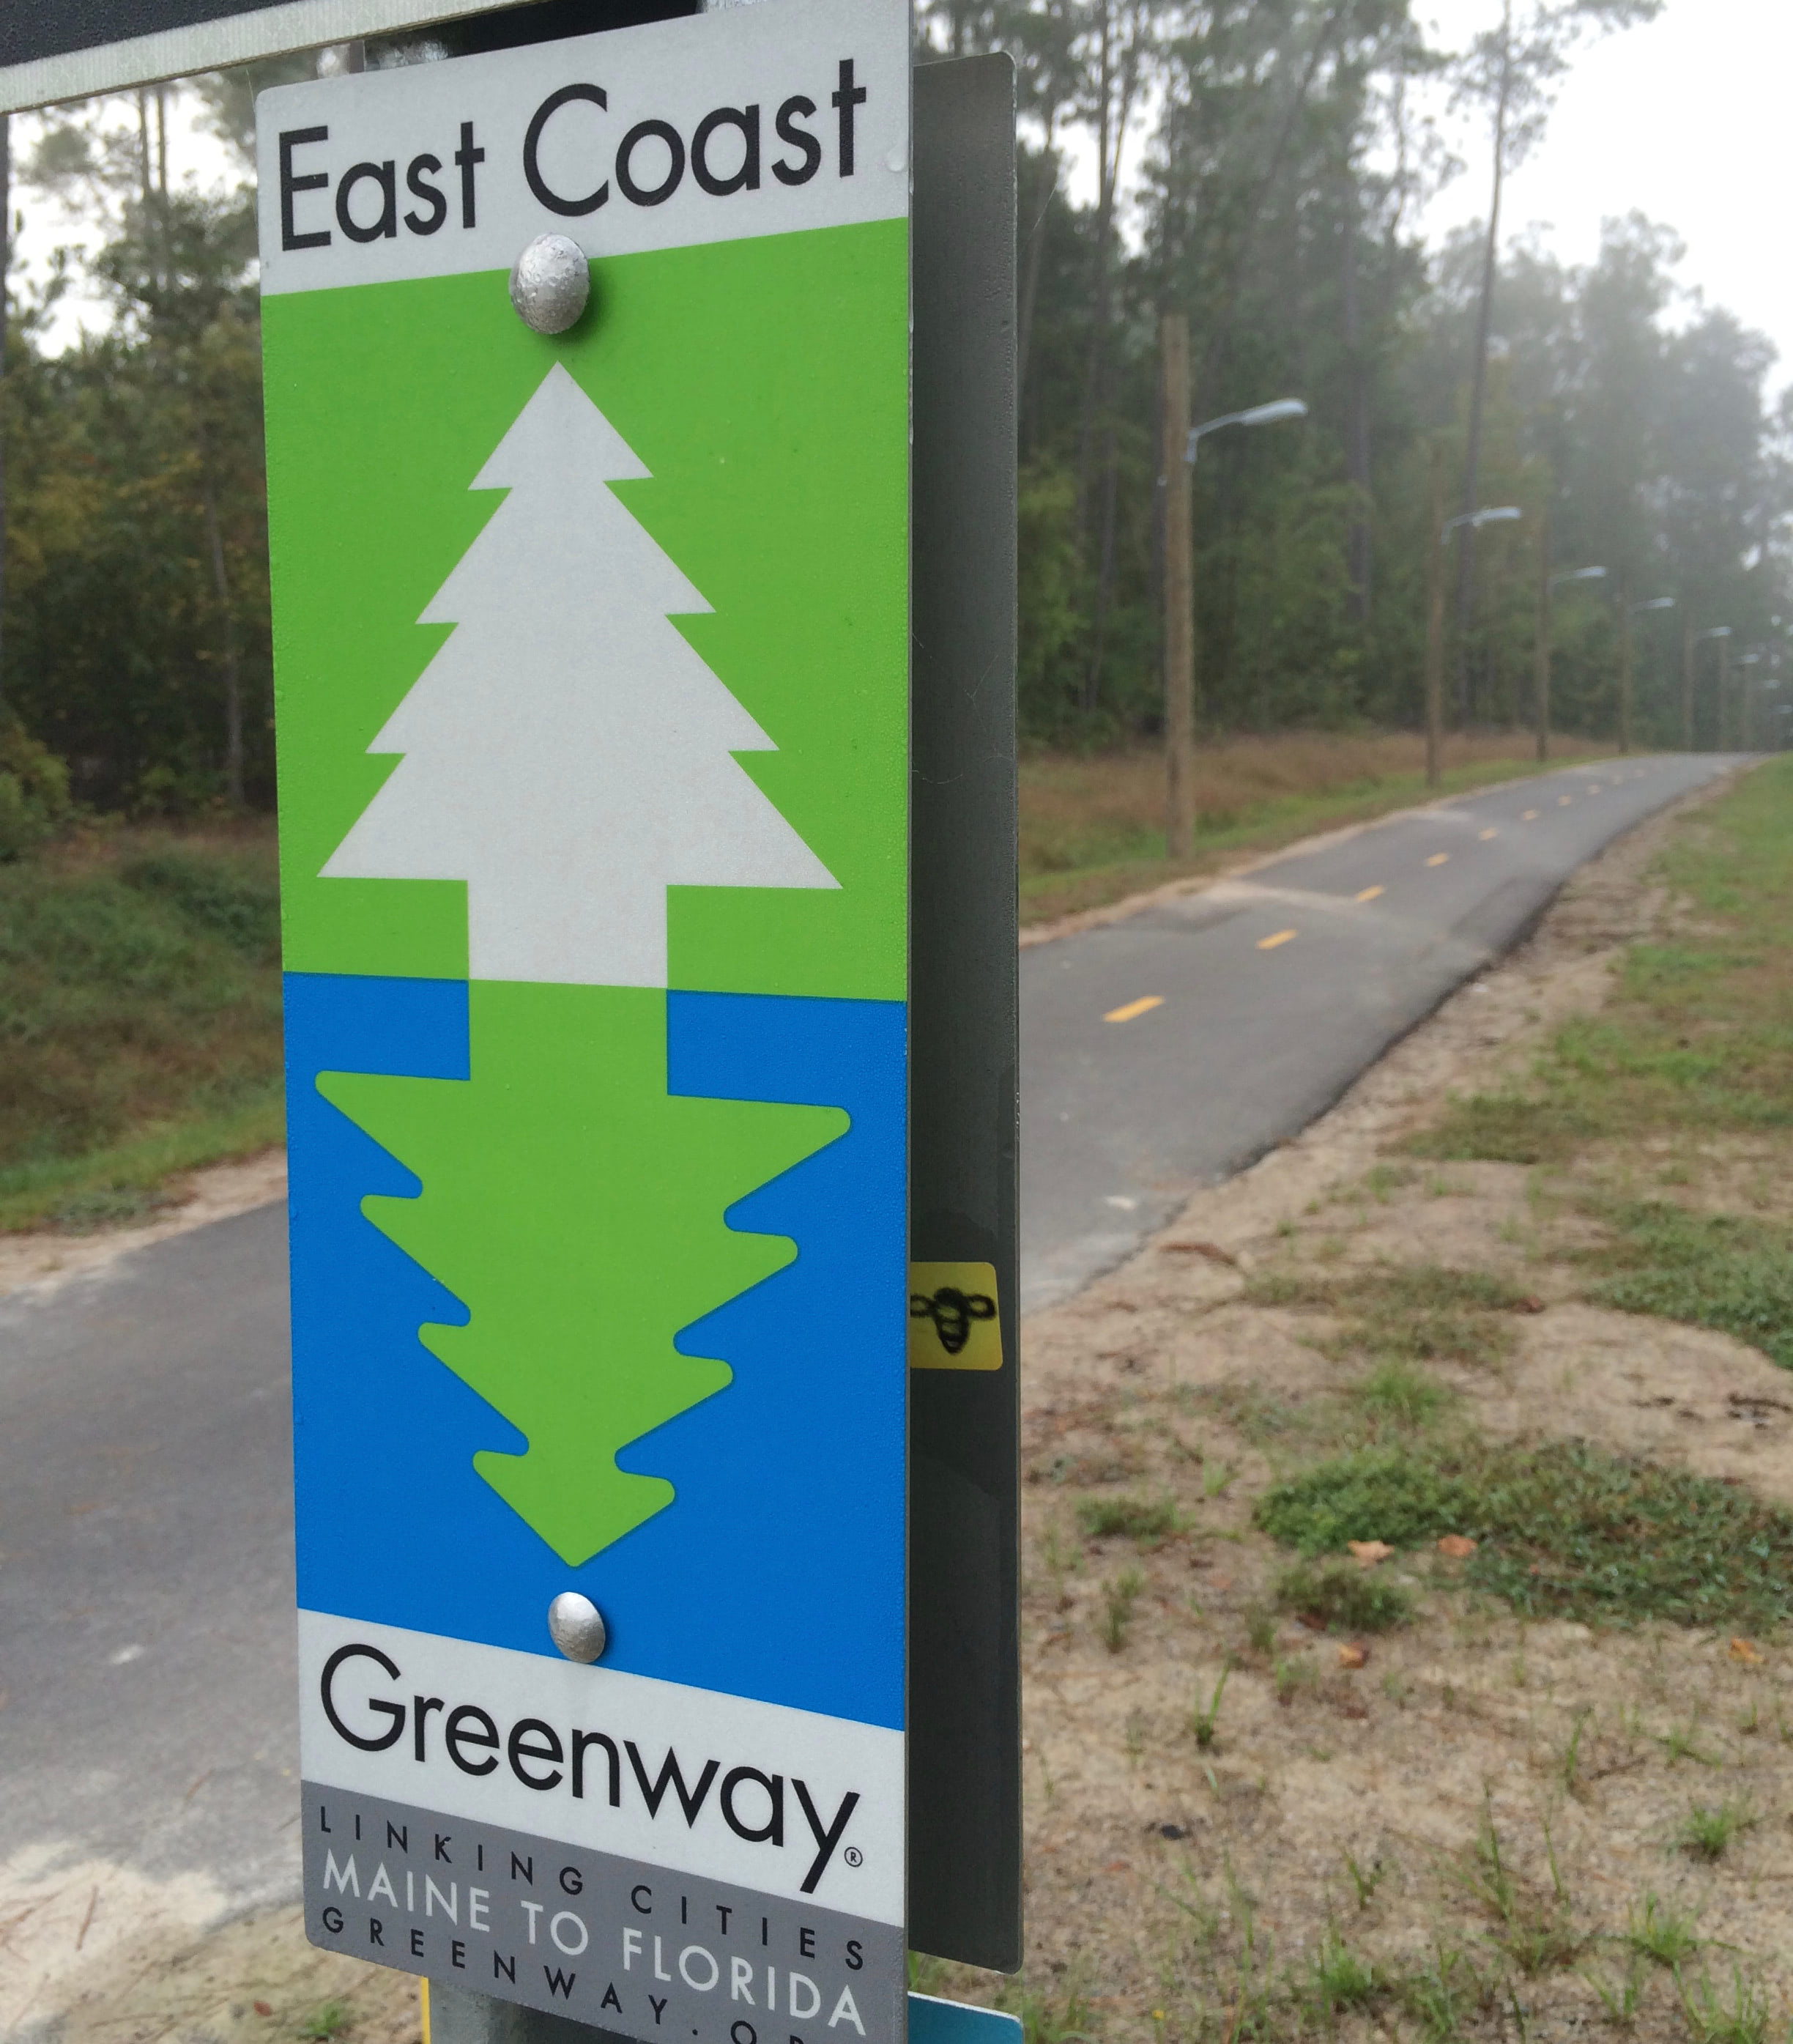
point(854, 1857)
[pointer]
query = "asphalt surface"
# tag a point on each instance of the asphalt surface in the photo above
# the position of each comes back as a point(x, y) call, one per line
point(1271, 994)
point(145, 1632)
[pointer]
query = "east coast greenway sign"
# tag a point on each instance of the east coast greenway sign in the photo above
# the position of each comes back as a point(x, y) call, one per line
point(592, 673)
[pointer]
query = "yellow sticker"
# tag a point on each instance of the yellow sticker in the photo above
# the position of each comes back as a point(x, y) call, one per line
point(953, 1322)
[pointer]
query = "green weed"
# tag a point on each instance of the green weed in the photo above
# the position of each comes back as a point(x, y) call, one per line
point(1364, 1885)
point(1396, 1391)
point(1709, 1830)
point(1743, 2019)
point(1142, 1519)
point(327, 2020)
point(1343, 1598)
point(1118, 1597)
point(1205, 1722)
point(1659, 1931)
point(1621, 1999)
point(1340, 1978)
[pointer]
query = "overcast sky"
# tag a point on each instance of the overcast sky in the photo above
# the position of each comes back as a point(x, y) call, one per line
point(1682, 120)
point(1685, 121)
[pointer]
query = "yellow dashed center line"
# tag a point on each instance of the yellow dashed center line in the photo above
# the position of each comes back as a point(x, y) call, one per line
point(1488, 834)
point(1369, 894)
point(1134, 1007)
point(1439, 859)
point(1270, 943)
point(1531, 817)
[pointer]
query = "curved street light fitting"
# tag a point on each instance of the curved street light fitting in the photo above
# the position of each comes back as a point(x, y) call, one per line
point(1257, 415)
point(1494, 514)
point(1579, 574)
point(1656, 603)
point(1717, 632)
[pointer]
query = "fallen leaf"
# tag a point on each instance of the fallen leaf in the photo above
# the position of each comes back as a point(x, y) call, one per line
point(1352, 1655)
point(1747, 1652)
point(1368, 1553)
point(264, 2008)
point(1119, 1866)
point(1211, 1251)
point(1458, 1546)
point(1534, 1304)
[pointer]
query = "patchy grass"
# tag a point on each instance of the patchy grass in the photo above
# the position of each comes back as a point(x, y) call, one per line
point(1341, 1597)
point(1563, 1530)
point(1092, 825)
point(1727, 1271)
point(1379, 1494)
point(1143, 1519)
point(1404, 1313)
point(139, 1021)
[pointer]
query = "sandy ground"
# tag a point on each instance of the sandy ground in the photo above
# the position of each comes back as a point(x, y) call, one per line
point(47, 1259)
point(1177, 1888)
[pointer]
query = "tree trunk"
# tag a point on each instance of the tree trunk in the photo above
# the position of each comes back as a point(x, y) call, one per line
point(232, 671)
point(1541, 685)
point(1094, 364)
point(1030, 276)
point(5, 251)
point(1104, 574)
point(1356, 418)
point(1478, 387)
point(1179, 612)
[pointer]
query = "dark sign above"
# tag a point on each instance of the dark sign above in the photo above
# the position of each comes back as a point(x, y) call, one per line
point(69, 49)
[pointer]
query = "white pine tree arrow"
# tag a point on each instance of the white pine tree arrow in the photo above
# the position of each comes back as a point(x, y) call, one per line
point(567, 753)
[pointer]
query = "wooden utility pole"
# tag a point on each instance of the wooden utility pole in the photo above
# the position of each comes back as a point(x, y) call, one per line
point(1724, 694)
point(5, 246)
point(1686, 685)
point(1179, 606)
point(1625, 663)
point(1435, 620)
point(1541, 678)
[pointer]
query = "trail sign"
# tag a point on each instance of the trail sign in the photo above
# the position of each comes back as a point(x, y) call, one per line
point(592, 687)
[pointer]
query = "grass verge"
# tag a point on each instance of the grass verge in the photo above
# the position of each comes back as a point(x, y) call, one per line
point(1092, 826)
point(139, 1021)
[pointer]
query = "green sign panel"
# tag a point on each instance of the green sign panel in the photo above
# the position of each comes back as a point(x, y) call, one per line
point(592, 702)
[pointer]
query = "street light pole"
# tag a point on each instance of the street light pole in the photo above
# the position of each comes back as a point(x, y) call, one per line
point(1627, 610)
point(1723, 634)
point(1546, 582)
point(1687, 685)
point(1435, 620)
point(1470, 520)
point(1178, 446)
point(1179, 596)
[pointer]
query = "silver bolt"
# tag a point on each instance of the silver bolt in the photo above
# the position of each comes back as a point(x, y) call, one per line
point(576, 1626)
point(550, 283)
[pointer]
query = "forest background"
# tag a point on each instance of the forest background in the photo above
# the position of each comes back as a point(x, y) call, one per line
point(1259, 166)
